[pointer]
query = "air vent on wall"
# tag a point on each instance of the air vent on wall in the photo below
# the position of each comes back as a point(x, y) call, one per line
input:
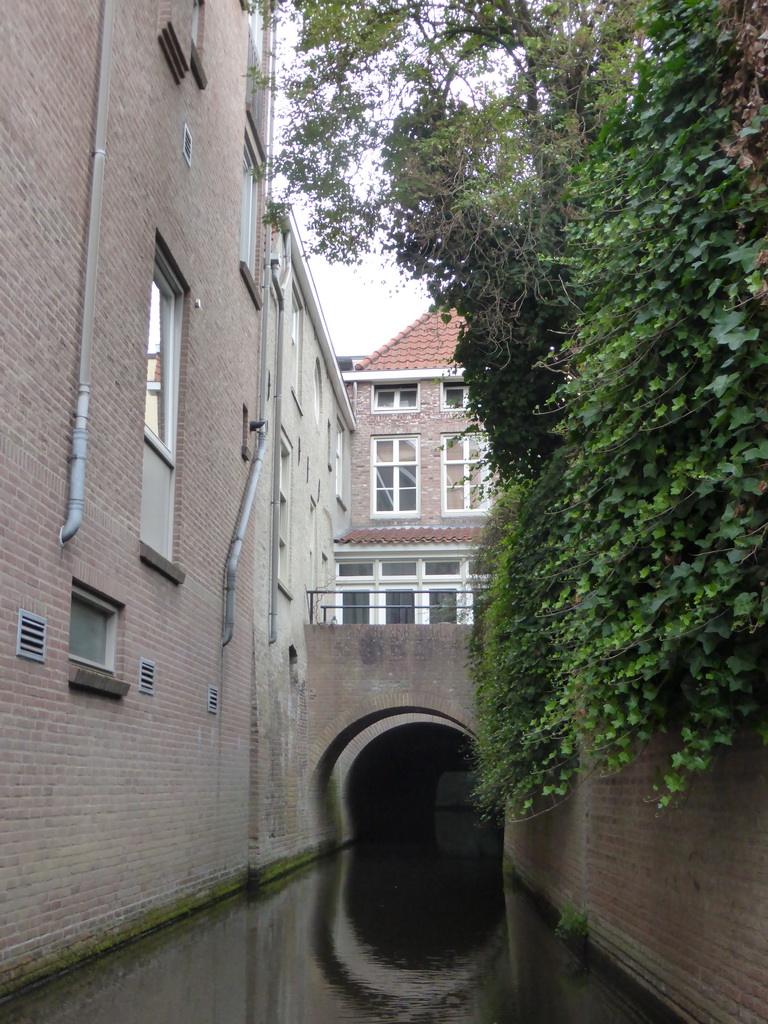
point(213, 700)
point(147, 676)
point(187, 145)
point(30, 636)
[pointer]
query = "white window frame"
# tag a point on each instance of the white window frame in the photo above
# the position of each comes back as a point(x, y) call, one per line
point(284, 513)
point(471, 506)
point(318, 391)
point(297, 326)
point(445, 385)
point(110, 613)
point(167, 294)
point(396, 512)
point(158, 482)
point(248, 210)
point(397, 390)
point(339, 460)
point(256, 31)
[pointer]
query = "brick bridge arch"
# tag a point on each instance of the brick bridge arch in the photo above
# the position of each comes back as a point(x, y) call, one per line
point(366, 680)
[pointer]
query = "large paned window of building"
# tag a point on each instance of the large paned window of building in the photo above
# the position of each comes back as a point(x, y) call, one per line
point(296, 329)
point(391, 591)
point(464, 475)
point(161, 408)
point(248, 211)
point(396, 474)
point(284, 513)
point(339, 460)
point(396, 399)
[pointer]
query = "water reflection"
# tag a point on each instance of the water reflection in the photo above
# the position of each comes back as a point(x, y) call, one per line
point(370, 937)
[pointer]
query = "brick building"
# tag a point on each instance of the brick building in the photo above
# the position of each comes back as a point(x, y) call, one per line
point(155, 549)
point(420, 492)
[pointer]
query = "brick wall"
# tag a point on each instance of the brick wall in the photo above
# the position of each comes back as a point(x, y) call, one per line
point(112, 810)
point(678, 898)
point(429, 424)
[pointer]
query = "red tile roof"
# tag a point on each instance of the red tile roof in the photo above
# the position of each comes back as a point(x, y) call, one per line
point(410, 534)
point(427, 343)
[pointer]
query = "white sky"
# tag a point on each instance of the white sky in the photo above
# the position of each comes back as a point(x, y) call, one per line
point(365, 306)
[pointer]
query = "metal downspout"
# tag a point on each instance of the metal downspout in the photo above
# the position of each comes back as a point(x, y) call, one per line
point(237, 541)
point(278, 418)
point(76, 502)
point(258, 461)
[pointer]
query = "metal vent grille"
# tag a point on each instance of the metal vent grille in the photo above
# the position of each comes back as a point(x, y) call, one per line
point(30, 636)
point(147, 670)
point(186, 145)
point(213, 700)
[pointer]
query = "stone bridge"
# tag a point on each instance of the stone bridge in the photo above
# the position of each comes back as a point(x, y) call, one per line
point(388, 706)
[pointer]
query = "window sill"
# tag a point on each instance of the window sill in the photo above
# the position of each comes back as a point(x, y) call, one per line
point(156, 561)
point(296, 400)
point(97, 682)
point(196, 65)
point(247, 276)
point(284, 590)
point(340, 501)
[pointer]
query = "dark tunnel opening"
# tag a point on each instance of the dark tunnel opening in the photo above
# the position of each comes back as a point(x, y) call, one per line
point(412, 785)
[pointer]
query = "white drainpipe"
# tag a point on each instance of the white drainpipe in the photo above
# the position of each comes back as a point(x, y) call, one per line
point(76, 502)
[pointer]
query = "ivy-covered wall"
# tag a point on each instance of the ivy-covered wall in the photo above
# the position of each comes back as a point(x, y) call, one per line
point(628, 594)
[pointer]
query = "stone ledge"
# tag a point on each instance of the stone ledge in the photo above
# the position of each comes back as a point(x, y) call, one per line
point(157, 561)
point(98, 682)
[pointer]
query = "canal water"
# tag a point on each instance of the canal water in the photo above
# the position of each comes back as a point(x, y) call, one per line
point(371, 936)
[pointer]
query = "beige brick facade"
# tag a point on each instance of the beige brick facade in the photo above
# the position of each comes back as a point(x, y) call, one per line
point(114, 809)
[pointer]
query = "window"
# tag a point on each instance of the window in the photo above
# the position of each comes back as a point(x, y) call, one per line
point(442, 606)
point(161, 407)
point(296, 324)
point(454, 396)
point(248, 211)
point(452, 568)
point(339, 460)
point(398, 568)
point(363, 569)
point(92, 630)
point(464, 475)
point(395, 475)
point(396, 399)
point(197, 32)
point(355, 608)
point(399, 606)
point(318, 390)
point(283, 512)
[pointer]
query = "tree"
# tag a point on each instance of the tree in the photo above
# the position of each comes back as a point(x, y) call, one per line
point(448, 129)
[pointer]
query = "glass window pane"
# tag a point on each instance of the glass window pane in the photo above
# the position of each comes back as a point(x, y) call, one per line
point(408, 398)
point(355, 569)
point(398, 568)
point(407, 451)
point(455, 498)
point(442, 568)
point(88, 627)
point(355, 608)
point(408, 499)
point(454, 474)
point(153, 408)
point(454, 397)
point(454, 450)
point(442, 606)
point(399, 607)
point(385, 451)
point(385, 498)
point(385, 399)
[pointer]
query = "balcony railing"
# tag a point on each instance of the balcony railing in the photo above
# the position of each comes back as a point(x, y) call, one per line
point(390, 607)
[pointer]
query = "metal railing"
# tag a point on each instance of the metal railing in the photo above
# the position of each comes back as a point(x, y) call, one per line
point(390, 607)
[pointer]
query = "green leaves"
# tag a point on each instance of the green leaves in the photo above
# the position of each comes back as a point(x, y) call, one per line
point(647, 594)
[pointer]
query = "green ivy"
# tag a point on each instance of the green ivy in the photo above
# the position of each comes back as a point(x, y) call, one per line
point(642, 575)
